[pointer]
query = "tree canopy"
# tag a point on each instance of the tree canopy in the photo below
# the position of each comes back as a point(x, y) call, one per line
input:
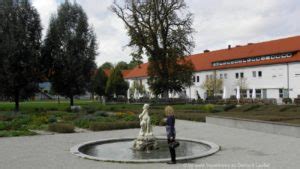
point(116, 85)
point(107, 65)
point(99, 82)
point(20, 41)
point(161, 30)
point(70, 49)
point(213, 85)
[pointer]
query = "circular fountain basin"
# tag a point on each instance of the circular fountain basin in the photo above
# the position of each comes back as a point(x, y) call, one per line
point(120, 150)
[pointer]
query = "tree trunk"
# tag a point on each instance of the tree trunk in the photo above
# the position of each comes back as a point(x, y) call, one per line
point(58, 100)
point(166, 95)
point(17, 100)
point(71, 101)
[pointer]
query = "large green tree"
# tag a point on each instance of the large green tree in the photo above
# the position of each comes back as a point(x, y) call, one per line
point(20, 41)
point(161, 30)
point(116, 85)
point(70, 49)
point(107, 65)
point(99, 81)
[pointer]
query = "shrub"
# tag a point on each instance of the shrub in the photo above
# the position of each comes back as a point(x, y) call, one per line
point(130, 118)
point(100, 126)
point(61, 128)
point(38, 120)
point(252, 107)
point(229, 107)
point(287, 100)
point(285, 108)
point(217, 109)
point(52, 119)
point(101, 113)
point(191, 117)
point(82, 123)
point(20, 122)
point(4, 125)
point(6, 117)
point(162, 122)
point(69, 117)
point(14, 133)
point(208, 108)
point(90, 110)
point(156, 118)
point(39, 109)
point(297, 101)
point(120, 115)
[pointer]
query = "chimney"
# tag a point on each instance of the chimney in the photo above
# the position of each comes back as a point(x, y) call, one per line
point(229, 46)
point(206, 51)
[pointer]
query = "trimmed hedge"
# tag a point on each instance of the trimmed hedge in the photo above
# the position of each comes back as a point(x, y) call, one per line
point(61, 128)
point(252, 107)
point(101, 126)
point(15, 133)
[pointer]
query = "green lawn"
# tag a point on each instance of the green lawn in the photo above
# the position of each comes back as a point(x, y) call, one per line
point(50, 115)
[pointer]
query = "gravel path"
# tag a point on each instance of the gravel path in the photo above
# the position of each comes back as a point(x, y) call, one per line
point(239, 149)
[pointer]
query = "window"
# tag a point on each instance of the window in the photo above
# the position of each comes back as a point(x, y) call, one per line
point(194, 79)
point(264, 93)
point(206, 77)
point(258, 93)
point(243, 93)
point(198, 79)
point(225, 75)
point(253, 59)
point(283, 93)
point(242, 75)
point(236, 75)
point(221, 76)
point(254, 73)
point(259, 74)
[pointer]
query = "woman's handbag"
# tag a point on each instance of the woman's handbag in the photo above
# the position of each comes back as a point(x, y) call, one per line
point(174, 144)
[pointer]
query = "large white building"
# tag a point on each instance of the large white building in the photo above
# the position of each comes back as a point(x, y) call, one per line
point(267, 70)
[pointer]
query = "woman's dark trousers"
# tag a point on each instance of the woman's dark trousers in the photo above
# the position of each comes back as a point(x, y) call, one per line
point(173, 154)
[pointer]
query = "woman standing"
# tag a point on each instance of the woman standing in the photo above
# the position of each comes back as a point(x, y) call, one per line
point(171, 133)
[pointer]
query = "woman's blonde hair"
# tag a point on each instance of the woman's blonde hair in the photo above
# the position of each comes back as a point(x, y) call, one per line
point(169, 110)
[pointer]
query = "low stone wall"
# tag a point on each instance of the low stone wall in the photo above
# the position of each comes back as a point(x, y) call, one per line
point(257, 125)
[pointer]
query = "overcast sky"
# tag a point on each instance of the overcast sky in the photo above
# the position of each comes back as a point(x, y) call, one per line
point(217, 23)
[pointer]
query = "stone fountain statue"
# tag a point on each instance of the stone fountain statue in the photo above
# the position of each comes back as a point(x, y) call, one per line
point(145, 139)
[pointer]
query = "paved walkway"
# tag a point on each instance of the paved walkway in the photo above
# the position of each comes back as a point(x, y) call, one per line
point(239, 149)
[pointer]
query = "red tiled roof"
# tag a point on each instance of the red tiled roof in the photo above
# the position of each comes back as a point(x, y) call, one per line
point(203, 61)
point(124, 72)
point(138, 71)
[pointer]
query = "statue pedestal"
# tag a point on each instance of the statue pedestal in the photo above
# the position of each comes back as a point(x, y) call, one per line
point(145, 143)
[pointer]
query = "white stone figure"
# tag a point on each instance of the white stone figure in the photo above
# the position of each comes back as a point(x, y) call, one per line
point(145, 140)
point(145, 123)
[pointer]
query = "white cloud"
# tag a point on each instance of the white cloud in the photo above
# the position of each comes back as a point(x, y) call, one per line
point(222, 22)
point(217, 22)
point(46, 8)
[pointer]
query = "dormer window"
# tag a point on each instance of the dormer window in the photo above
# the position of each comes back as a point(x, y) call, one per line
point(252, 59)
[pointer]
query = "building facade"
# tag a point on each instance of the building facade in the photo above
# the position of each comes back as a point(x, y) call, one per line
point(257, 70)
